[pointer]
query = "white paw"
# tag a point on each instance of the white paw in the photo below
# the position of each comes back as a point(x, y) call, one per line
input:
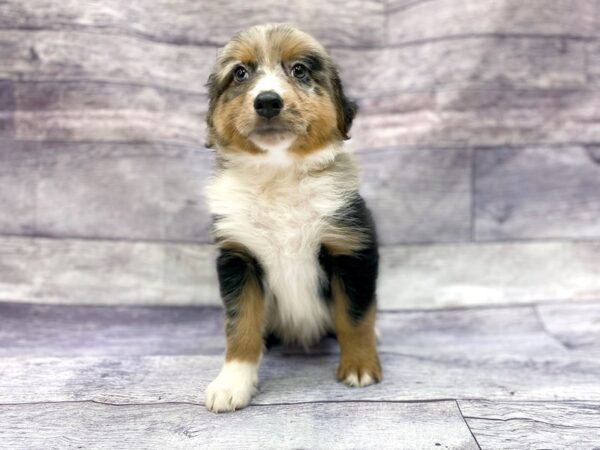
point(353, 380)
point(233, 388)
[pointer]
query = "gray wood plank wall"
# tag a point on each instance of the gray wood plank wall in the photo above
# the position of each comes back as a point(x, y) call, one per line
point(479, 134)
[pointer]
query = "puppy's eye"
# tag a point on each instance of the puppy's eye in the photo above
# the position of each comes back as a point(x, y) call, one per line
point(299, 72)
point(240, 74)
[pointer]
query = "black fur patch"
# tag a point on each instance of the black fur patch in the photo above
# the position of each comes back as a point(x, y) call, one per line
point(313, 61)
point(346, 107)
point(326, 263)
point(234, 268)
point(358, 271)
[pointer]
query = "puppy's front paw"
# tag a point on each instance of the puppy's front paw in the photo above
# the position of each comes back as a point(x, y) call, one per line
point(359, 373)
point(233, 388)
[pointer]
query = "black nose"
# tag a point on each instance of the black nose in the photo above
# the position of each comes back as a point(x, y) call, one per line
point(268, 104)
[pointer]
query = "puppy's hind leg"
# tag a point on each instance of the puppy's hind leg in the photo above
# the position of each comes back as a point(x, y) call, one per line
point(241, 290)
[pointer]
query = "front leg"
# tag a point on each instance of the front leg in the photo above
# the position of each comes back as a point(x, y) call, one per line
point(353, 290)
point(240, 282)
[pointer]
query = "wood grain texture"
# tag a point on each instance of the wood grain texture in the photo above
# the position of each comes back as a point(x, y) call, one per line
point(106, 272)
point(502, 425)
point(454, 275)
point(420, 20)
point(320, 425)
point(412, 276)
point(73, 330)
point(537, 192)
point(123, 190)
point(593, 62)
point(478, 117)
point(576, 326)
point(127, 374)
point(96, 111)
point(7, 106)
point(53, 55)
point(179, 22)
point(418, 195)
point(296, 378)
point(473, 62)
point(17, 192)
point(52, 330)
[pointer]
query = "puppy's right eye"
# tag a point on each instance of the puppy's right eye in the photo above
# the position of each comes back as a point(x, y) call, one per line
point(240, 74)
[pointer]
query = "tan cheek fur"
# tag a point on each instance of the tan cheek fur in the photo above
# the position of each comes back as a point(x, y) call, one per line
point(320, 115)
point(228, 119)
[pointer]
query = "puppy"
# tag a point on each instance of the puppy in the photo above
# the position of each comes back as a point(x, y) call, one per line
point(298, 252)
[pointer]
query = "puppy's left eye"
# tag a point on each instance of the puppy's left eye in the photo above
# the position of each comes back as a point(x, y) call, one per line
point(299, 71)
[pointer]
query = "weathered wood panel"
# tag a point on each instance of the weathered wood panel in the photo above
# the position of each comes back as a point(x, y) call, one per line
point(7, 105)
point(77, 56)
point(503, 425)
point(420, 20)
point(52, 330)
point(478, 118)
point(469, 62)
point(77, 111)
point(454, 275)
point(472, 117)
point(119, 190)
point(475, 332)
point(537, 192)
point(412, 276)
point(297, 378)
point(179, 22)
point(418, 195)
point(577, 326)
point(17, 192)
point(326, 425)
point(106, 272)
point(473, 62)
point(593, 62)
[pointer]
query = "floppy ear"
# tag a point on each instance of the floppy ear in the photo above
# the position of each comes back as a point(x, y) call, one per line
point(213, 93)
point(346, 109)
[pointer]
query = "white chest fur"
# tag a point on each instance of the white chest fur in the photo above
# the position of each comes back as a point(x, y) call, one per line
point(279, 216)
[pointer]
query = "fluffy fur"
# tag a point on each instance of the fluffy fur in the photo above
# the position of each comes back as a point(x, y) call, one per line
point(298, 251)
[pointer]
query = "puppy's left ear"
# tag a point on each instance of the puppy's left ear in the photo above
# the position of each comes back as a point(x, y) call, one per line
point(346, 109)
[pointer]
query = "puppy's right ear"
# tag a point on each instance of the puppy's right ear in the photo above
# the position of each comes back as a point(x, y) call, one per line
point(213, 94)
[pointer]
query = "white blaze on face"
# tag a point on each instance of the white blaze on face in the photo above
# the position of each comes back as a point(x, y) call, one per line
point(276, 144)
point(270, 81)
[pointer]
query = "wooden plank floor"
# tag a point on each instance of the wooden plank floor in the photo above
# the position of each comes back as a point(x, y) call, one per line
point(508, 377)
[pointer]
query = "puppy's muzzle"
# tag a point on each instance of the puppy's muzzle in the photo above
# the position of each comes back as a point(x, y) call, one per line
point(268, 104)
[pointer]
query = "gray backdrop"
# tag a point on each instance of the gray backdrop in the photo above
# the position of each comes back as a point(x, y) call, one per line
point(478, 134)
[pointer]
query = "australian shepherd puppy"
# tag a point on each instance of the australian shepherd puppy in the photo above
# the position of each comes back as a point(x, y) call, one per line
point(297, 247)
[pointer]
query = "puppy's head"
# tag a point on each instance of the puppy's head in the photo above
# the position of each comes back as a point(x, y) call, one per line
point(275, 89)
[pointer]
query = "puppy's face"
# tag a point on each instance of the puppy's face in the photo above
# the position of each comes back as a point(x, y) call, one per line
point(275, 89)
